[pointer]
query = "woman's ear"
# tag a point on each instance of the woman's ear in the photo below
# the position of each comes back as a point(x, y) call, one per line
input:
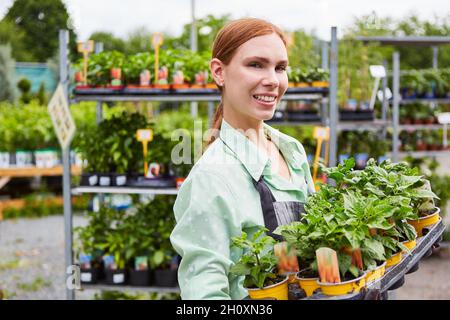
point(217, 71)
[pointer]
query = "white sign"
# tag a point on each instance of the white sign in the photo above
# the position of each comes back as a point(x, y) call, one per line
point(444, 118)
point(377, 71)
point(388, 94)
point(61, 117)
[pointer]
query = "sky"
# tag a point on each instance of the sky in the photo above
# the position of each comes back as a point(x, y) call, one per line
point(121, 17)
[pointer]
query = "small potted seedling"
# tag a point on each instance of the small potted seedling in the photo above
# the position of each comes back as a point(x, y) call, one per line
point(89, 269)
point(163, 76)
point(428, 212)
point(178, 80)
point(258, 265)
point(165, 266)
point(116, 78)
point(144, 78)
point(114, 270)
point(331, 283)
point(140, 273)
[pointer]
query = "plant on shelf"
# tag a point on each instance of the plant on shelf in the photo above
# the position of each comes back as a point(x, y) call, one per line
point(135, 65)
point(435, 86)
point(413, 84)
point(104, 67)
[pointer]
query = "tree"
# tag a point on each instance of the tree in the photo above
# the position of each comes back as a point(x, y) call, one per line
point(110, 42)
point(12, 35)
point(41, 95)
point(7, 73)
point(41, 20)
point(24, 86)
point(138, 40)
point(207, 29)
point(303, 52)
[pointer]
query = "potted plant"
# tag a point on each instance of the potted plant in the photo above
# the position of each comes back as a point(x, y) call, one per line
point(258, 265)
point(136, 69)
point(87, 240)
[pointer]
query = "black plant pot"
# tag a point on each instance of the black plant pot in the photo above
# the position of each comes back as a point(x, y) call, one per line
point(104, 179)
point(91, 275)
point(166, 278)
point(89, 179)
point(118, 179)
point(140, 278)
point(116, 277)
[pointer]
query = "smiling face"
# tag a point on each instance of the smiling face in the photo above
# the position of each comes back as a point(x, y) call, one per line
point(255, 79)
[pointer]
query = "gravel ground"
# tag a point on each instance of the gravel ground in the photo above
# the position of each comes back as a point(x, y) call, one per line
point(32, 258)
point(32, 264)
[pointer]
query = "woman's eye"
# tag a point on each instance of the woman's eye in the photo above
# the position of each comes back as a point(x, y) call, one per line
point(255, 65)
point(281, 68)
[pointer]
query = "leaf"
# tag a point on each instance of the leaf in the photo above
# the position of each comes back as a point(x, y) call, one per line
point(354, 271)
point(240, 269)
point(422, 193)
point(345, 261)
point(375, 248)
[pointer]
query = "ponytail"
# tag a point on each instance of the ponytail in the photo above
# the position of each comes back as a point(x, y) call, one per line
point(217, 122)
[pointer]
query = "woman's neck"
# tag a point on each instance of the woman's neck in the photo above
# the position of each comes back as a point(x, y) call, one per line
point(252, 128)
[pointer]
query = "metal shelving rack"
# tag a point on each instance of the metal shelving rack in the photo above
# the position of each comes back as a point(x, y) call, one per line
point(434, 42)
point(211, 97)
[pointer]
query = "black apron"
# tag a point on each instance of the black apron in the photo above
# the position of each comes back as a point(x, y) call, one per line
point(277, 213)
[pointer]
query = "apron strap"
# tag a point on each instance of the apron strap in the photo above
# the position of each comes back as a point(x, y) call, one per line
point(267, 200)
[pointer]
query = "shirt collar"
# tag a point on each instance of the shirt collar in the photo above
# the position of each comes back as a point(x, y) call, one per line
point(253, 159)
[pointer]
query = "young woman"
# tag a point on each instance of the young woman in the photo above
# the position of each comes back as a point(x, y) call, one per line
point(250, 175)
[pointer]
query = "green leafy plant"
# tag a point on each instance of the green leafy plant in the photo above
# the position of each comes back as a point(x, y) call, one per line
point(258, 263)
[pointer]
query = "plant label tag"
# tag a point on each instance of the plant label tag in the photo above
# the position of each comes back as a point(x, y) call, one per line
point(93, 180)
point(144, 135)
point(444, 118)
point(157, 39)
point(119, 278)
point(287, 258)
point(61, 117)
point(85, 47)
point(105, 181)
point(321, 133)
point(86, 277)
point(121, 180)
point(328, 265)
point(377, 71)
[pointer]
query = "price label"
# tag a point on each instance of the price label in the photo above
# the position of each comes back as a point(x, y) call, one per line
point(322, 133)
point(157, 39)
point(144, 135)
point(87, 46)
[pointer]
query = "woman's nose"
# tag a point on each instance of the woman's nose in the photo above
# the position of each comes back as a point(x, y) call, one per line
point(271, 79)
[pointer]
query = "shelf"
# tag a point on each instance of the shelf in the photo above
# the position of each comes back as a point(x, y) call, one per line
point(362, 125)
point(293, 123)
point(16, 172)
point(420, 154)
point(307, 93)
point(411, 101)
point(129, 288)
point(420, 126)
point(123, 190)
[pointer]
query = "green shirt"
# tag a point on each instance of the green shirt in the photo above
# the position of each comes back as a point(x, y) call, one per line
point(218, 201)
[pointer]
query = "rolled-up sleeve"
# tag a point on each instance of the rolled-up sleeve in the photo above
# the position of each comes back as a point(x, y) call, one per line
point(204, 214)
